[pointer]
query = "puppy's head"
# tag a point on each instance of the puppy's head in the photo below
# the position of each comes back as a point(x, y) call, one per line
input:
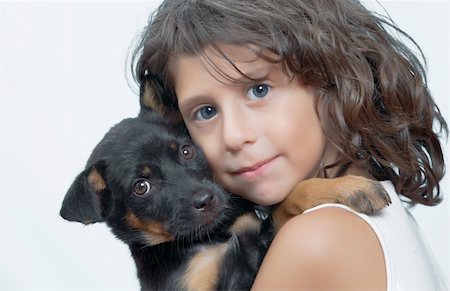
point(149, 183)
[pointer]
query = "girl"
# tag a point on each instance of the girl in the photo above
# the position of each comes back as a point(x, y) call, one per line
point(275, 92)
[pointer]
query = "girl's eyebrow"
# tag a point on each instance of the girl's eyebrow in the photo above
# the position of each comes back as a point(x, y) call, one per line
point(190, 102)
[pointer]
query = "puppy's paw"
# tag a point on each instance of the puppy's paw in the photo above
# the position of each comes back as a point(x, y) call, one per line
point(363, 195)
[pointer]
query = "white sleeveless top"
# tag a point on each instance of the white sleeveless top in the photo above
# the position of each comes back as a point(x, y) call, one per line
point(409, 263)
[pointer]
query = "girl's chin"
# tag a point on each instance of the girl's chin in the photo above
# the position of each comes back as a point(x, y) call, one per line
point(264, 193)
point(264, 198)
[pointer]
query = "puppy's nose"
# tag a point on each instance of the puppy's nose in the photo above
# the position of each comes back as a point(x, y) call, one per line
point(202, 200)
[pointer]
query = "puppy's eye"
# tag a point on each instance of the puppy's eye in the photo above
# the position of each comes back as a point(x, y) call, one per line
point(142, 187)
point(187, 152)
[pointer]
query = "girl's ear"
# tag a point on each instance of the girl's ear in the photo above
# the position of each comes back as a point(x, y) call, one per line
point(155, 97)
point(87, 197)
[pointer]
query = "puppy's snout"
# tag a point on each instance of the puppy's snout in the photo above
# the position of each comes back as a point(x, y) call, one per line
point(203, 200)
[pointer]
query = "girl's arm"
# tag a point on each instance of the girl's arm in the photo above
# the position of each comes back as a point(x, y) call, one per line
point(330, 249)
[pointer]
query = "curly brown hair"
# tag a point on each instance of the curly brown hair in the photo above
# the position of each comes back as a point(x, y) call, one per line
point(372, 95)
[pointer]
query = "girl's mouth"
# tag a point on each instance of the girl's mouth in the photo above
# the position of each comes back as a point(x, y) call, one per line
point(256, 170)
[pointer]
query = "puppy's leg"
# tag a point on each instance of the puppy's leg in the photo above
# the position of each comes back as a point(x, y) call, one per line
point(359, 193)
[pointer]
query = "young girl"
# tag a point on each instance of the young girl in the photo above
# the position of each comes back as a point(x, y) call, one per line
point(275, 92)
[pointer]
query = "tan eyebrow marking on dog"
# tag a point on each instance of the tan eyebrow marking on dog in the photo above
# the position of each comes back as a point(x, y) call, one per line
point(96, 181)
point(154, 231)
point(173, 145)
point(203, 269)
point(146, 171)
point(245, 222)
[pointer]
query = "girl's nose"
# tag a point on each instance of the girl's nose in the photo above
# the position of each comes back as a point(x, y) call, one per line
point(237, 130)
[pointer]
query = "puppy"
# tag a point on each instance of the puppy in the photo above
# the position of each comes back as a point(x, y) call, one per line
point(151, 185)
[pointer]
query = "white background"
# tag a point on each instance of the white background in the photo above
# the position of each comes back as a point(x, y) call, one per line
point(63, 84)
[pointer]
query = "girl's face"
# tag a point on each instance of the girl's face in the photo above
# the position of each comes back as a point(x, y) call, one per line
point(260, 137)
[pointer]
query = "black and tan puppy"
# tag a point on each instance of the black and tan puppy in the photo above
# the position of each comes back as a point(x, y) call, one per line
point(151, 185)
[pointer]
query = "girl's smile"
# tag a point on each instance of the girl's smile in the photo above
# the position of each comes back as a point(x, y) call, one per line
point(256, 123)
point(257, 170)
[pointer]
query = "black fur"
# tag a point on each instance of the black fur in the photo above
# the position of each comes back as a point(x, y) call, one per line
point(191, 212)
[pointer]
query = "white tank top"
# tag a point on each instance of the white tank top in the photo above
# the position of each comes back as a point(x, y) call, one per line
point(409, 263)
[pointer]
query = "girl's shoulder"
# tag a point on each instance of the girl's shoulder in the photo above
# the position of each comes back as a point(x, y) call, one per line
point(329, 247)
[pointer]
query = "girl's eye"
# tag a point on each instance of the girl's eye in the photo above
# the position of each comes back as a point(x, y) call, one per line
point(205, 113)
point(258, 91)
point(187, 152)
point(142, 187)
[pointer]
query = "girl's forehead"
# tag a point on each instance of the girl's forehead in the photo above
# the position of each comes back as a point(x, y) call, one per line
point(226, 63)
point(234, 53)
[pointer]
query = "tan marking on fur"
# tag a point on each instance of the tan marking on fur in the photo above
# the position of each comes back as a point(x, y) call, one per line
point(154, 231)
point(96, 181)
point(149, 100)
point(173, 145)
point(146, 171)
point(245, 222)
point(344, 190)
point(203, 269)
point(86, 222)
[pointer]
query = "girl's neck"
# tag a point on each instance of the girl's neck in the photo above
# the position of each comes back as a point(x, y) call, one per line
point(331, 155)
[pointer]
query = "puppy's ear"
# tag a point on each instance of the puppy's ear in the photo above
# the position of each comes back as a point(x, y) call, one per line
point(156, 97)
point(85, 200)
